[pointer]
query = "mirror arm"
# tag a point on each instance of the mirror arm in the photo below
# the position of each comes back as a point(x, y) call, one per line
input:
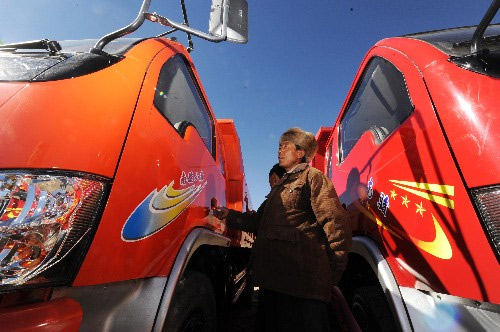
point(475, 46)
point(154, 17)
point(123, 31)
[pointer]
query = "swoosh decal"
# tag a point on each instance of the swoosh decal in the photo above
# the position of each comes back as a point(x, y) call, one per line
point(437, 188)
point(168, 197)
point(449, 190)
point(439, 247)
point(158, 210)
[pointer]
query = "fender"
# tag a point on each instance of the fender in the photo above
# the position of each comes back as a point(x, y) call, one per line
point(195, 239)
point(366, 248)
point(133, 304)
point(430, 311)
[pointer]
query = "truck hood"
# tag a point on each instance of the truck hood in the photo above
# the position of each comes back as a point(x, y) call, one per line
point(75, 124)
point(467, 106)
point(9, 90)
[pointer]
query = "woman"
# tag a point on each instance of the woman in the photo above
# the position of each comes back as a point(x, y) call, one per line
point(303, 239)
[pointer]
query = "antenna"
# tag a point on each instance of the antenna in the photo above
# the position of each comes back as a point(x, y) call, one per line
point(186, 22)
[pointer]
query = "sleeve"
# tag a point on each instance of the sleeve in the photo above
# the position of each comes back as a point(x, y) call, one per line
point(334, 220)
point(245, 221)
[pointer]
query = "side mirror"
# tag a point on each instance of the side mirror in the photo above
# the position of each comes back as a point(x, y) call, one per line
point(236, 22)
point(228, 21)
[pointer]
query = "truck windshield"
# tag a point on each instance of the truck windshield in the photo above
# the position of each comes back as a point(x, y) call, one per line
point(24, 68)
point(116, 47)
point(457, 44)
point(27, 65)
point(457, 41)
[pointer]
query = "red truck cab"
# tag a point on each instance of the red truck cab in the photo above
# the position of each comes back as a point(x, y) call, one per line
point(111, 162)
point(414, 156)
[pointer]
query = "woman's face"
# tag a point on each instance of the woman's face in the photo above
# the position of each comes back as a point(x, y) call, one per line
point(289, 156)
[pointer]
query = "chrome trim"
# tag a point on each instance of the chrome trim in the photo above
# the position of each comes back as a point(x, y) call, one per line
point(239, 276)
point(197, 237)
point(240, 290)
point(366, 248)
point(123, 31)
point(431, 311)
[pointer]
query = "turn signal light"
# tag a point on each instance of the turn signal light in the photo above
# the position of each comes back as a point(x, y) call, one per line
point(488, 203)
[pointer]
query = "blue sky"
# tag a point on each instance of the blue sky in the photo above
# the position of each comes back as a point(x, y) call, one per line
point(295, 70)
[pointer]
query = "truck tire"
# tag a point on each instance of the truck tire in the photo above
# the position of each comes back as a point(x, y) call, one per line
point(193, 305)
point(371, 310)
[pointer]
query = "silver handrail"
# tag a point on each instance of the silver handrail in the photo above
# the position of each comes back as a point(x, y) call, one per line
point(123, 31)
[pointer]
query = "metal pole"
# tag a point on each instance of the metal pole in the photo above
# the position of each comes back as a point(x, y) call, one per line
point(481, 28)
point(123, 31)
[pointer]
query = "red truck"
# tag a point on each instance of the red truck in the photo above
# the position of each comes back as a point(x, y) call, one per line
point(414, 155)
point(111, 162)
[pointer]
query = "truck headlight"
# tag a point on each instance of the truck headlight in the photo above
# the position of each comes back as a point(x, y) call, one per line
point(488, 203)
point(46, 223)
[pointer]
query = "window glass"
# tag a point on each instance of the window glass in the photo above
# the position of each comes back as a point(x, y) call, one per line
point(381, 103)
point(178, 99)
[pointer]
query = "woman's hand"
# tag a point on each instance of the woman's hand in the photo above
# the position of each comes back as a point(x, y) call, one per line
point(220, 212)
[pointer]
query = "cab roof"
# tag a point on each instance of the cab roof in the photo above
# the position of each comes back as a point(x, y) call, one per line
point(457, 41)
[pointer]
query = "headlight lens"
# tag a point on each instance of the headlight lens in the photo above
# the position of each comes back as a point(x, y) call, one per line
point(42, 219)
point(488, 203)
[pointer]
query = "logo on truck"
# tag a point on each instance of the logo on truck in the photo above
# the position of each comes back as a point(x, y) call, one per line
point(159, 209)
point(440, 246)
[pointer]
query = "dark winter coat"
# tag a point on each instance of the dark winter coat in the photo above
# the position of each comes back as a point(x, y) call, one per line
point(303, 236)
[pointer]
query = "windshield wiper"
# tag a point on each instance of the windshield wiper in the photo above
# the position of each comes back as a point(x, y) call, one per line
point(485, 40)
point(52, 46)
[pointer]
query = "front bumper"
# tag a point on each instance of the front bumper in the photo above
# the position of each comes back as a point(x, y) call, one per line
point(63, 314)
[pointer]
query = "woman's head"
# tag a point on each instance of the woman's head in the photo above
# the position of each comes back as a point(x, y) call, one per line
point(296, 146)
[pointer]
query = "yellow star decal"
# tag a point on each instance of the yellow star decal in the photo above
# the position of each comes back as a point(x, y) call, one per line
point(405, 201)
point(420, 209)
point(393, 194)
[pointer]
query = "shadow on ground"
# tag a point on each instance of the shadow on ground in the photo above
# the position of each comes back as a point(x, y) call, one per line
point(241, 316)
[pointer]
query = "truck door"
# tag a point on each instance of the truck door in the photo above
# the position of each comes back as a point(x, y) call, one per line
point(166, 179)
point(388, 146)
point(180, 100)
point(183, 151)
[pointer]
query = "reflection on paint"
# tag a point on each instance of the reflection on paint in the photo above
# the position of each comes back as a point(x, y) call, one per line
point(441, 316)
